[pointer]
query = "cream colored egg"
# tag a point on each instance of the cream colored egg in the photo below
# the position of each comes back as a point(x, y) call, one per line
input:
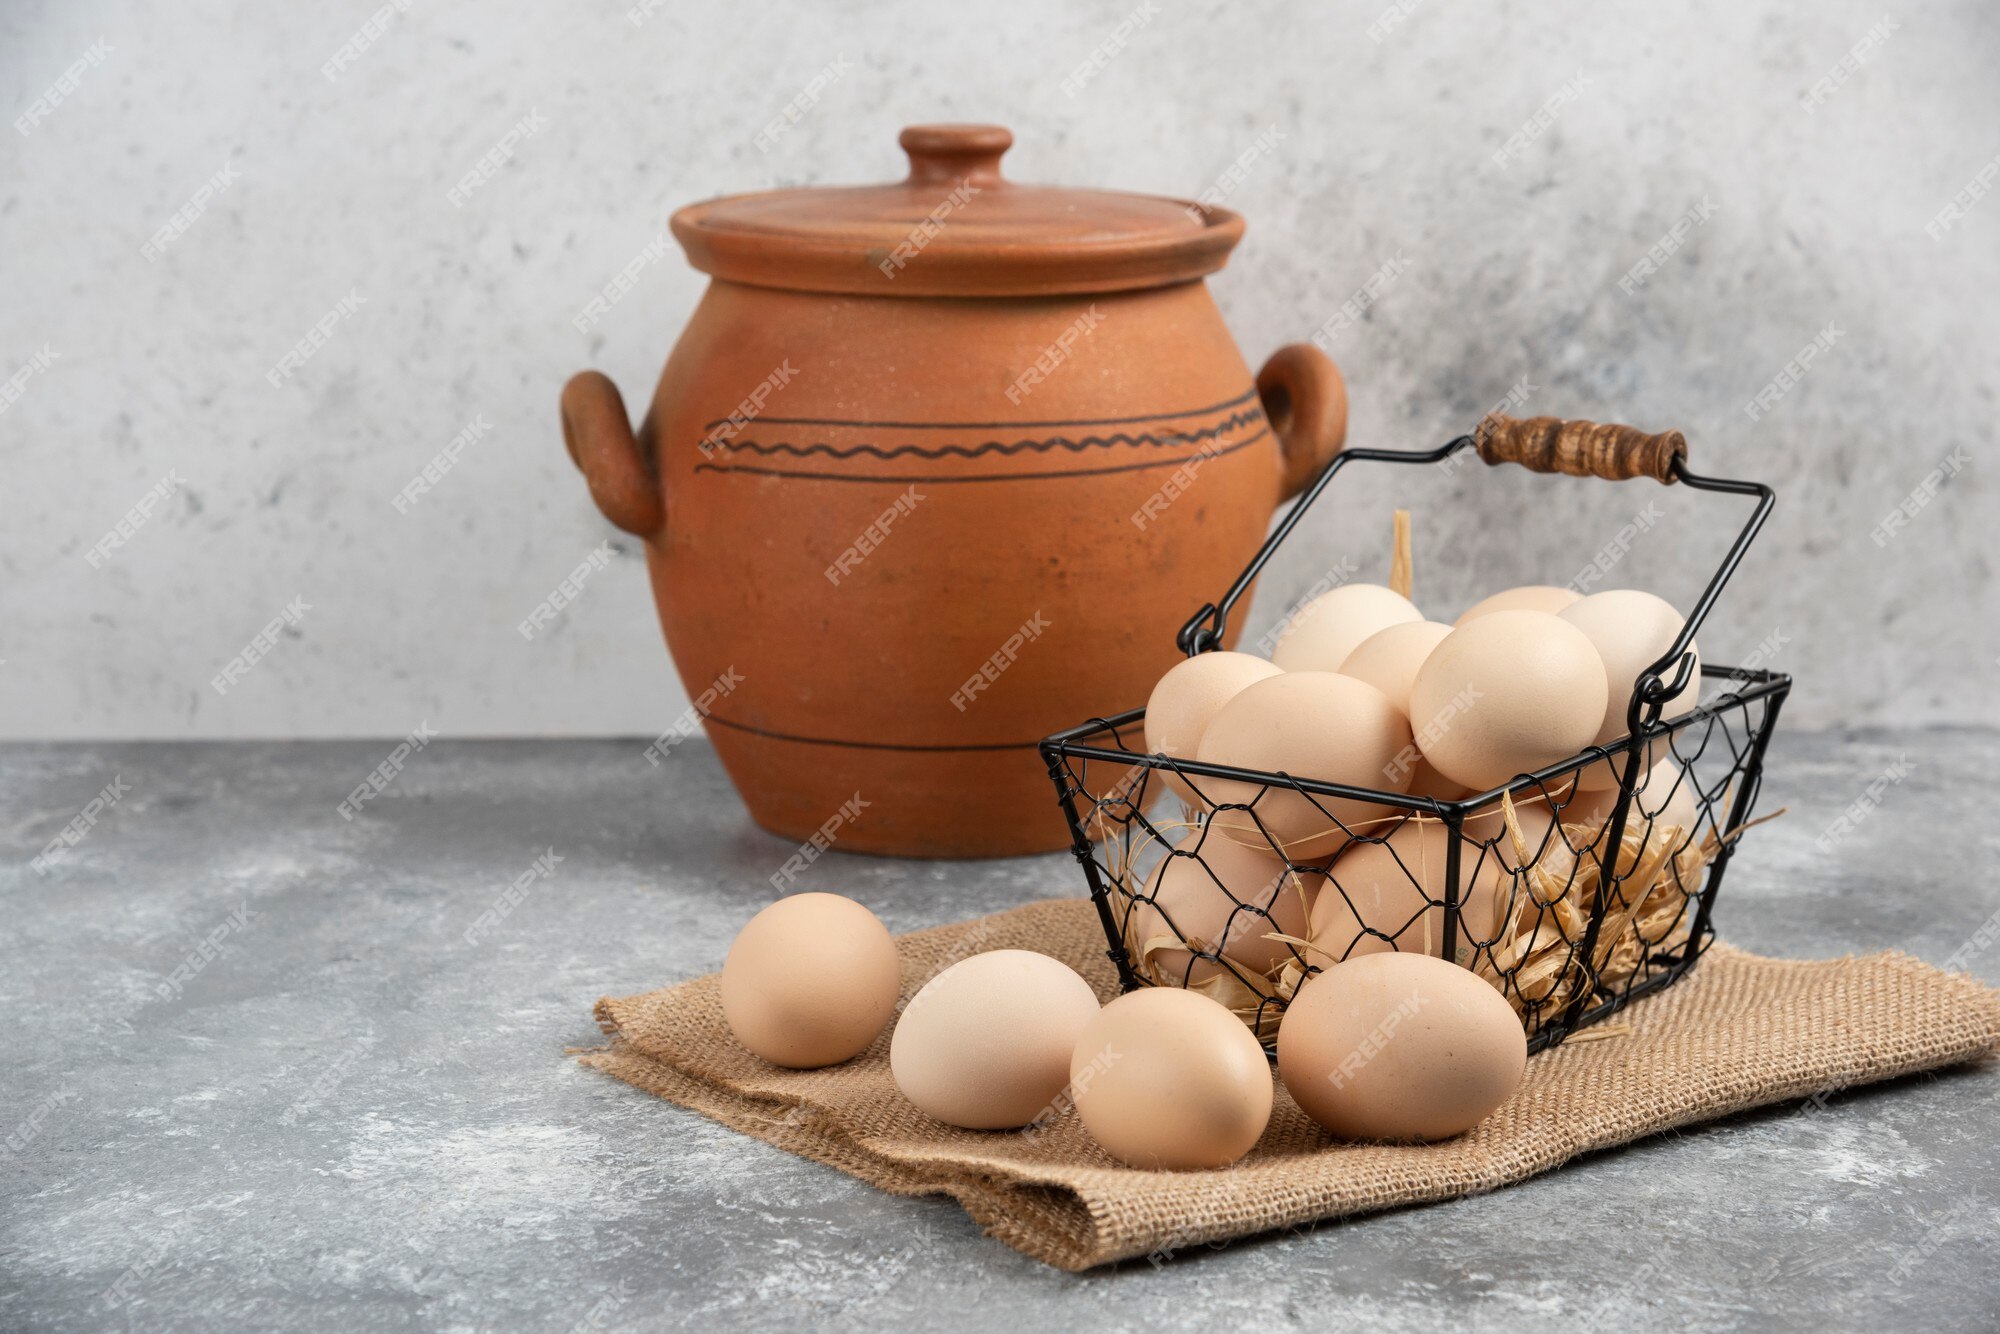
point(1389, 658)
point(810, 981)
point(1630, 629)
point(1333, 625)
point(1400, 1047)
point(1529, 597)
point(986, 1043)
point(1223, 898)
point(1165, 1078)
point(1507, 693)
point(1390, 895)
point(1186, 700)
point(1309, 725)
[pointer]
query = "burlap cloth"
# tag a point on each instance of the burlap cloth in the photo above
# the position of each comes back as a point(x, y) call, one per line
point(1739, 1031)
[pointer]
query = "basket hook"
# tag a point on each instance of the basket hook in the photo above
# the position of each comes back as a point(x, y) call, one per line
point(1203, 631)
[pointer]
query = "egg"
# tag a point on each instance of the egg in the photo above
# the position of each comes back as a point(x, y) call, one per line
point(1165, 1078)
point(1210, 897)
point(1310, 725)
point(1630, 629)
point(1426, 781)
point(1186, 700)
point(810, 981)
point(1389, 895)
point(1529, 597)
point(1333, 625)
point(1389, 658)
point(1400, 1047)
point(986, 1043)
point(1505, 694)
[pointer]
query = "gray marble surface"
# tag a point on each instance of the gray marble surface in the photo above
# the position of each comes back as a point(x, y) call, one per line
point(338, 1114)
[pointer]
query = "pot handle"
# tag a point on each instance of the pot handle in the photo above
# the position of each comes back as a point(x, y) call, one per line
point(618, 465)
point(1306, 400)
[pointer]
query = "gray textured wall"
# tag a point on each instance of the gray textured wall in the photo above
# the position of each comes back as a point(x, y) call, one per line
point(1509, 274)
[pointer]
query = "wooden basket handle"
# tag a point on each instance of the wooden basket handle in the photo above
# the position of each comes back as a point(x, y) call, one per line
point(1579, 448)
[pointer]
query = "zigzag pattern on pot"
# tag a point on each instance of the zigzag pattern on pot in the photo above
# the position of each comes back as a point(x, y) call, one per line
point(1232, 422)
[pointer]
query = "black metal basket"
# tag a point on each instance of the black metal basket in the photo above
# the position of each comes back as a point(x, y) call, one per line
point(1520, 884)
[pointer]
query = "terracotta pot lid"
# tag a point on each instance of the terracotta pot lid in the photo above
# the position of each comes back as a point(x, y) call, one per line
point(955, 227)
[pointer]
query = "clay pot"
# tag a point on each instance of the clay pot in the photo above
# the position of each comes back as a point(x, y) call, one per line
point(938, 468)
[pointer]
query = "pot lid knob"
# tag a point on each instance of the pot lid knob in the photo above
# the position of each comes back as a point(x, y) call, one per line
point(945, 154)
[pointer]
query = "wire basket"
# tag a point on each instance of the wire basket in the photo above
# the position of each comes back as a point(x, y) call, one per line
point(1571, 897)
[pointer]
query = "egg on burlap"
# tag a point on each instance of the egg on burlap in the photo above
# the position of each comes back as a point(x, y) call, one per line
point(1169, 1079)
point(986, 1043)
point(810, 980)
point(1400, 1047)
